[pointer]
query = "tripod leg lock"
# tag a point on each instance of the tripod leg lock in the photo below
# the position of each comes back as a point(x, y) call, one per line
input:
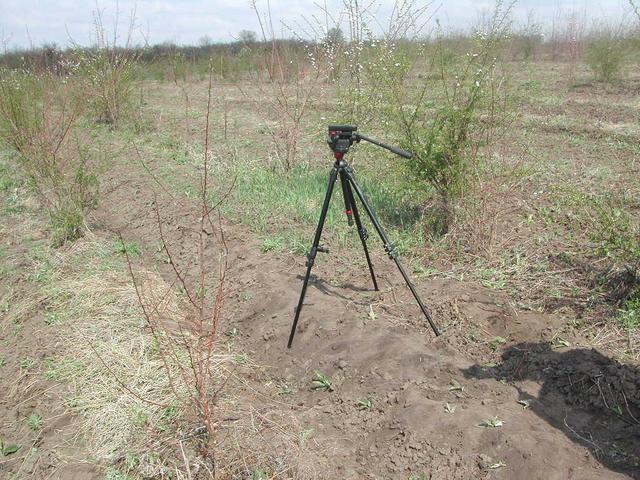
point(311, 258)
point(364, 235)
point(390, 248)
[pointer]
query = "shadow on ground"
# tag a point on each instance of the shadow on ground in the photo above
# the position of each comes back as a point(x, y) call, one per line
point(593, 399)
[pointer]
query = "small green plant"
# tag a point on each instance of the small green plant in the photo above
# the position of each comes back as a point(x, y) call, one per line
point(629, 315)
point(455, 386)
point(27, 363)
point(61, 368)
point(3, 362)
point(259, 474)
point(131, 249)
point(496, 342)
point(365, 403)
point(271, 243)
point(140, 417)
point(241, 359)
point(115, 474)
point(170, 412)
point(34, 422)
point(7, 449)
point(321, 382)
point(560, 342)
point(284, 389)
point(52, 318)
point(493, 422)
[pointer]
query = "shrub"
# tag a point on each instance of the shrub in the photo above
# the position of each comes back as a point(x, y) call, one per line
point(445, 130)
point(606, 57)
point(109, 73)
point(36, 121)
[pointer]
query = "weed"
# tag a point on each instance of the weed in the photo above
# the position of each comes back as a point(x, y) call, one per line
point(241, 359)
point(27, 363)
point(61, 368)
point(497, 341)
point(284, 389)
point(321, 382)
point(259, 474)
point(493, 422)
point(629, 315)
point(140, 417)
point(115, 474)
point(271, 243)
point(52, 318)
point(455, 386)
point(34, 422)
point(449, 408)
point(3, 362)
point(365, 403)
point(131, 249)
point(170, 412)
point(526, 403)
point(560, 342)
point(7, 449)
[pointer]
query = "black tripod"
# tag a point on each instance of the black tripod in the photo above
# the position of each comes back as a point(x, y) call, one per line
point(341, 137)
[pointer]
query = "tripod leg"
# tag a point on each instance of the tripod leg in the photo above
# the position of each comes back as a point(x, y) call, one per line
point(390, 249)
point(362, 232)
point(314, 251)
point(347, 199)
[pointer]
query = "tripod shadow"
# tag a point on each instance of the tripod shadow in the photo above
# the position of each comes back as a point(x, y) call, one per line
point(335, 290)
point(592, 399)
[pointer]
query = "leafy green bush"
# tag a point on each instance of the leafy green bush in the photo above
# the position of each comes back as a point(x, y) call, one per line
point(607, 57)
point(452, 113)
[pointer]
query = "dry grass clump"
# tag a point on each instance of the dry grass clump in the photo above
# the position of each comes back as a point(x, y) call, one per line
point(130, 409)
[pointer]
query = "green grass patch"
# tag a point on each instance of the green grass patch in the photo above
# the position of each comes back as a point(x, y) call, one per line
point(284, 209)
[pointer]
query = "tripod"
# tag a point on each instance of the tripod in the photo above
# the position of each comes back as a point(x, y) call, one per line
point(340, 139)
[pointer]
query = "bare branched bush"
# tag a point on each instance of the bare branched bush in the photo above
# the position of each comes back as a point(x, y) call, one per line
point(37, 116)
point(566, 39)
point(288, 90)
point(187, 342)
point(527, 39)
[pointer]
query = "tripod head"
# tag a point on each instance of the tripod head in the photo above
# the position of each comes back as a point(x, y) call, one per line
point(341, 137)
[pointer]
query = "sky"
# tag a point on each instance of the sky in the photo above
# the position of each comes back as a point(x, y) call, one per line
point(25, 23)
